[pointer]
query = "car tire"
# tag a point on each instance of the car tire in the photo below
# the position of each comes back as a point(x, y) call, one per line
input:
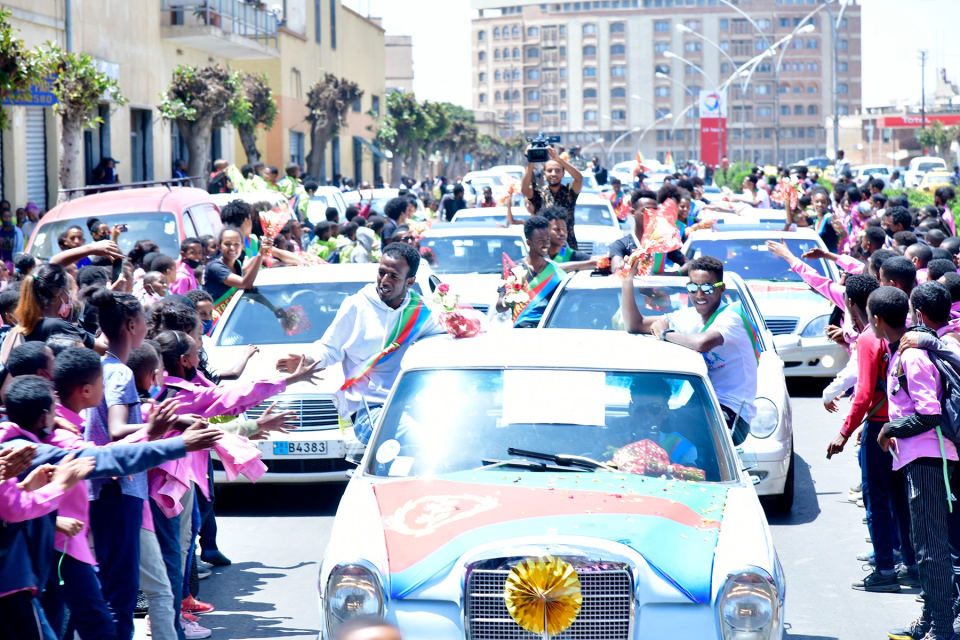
point(783, 503)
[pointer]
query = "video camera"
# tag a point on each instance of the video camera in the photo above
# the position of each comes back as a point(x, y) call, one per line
point(539, 151)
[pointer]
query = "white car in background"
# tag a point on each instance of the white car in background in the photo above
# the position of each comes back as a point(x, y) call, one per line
point(323, 198)
point(867, 172)
point(470, 259)
point(795, 314)
point(918, 167)
point(593, 302)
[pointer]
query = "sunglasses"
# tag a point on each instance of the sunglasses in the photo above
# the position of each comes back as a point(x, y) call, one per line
point(650, 408)
point(707, 289)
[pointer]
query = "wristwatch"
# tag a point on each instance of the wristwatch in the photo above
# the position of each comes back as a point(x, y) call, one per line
point(663, 336)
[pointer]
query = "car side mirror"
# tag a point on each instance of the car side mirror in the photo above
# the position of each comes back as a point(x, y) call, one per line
point(786, 344)
point(434, 283)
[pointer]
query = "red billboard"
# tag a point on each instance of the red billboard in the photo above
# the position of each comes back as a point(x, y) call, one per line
point(913, 121)
point(713, 126)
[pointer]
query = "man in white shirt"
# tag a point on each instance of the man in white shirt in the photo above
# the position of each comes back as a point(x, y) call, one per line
point(714, 329)
point(372, 331)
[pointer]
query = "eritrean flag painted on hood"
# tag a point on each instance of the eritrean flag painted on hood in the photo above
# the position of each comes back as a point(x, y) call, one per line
point(430, 524)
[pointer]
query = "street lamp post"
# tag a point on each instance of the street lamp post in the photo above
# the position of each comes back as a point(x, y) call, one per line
point(693, 102)
point(835, 26)
point(613, 145)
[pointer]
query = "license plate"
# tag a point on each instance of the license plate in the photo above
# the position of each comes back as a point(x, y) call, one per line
point(299, 448)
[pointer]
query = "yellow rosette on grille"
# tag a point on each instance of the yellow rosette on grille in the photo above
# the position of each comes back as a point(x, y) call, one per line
point(543, 595)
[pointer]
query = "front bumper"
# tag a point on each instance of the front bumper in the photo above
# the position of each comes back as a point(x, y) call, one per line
point(333, 464)
point(816, 357)
point(772, 463)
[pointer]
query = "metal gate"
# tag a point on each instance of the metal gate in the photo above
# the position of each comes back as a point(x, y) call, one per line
point(36, 156)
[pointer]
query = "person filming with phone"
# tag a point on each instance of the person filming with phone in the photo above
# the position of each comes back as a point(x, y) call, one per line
point(553, 192)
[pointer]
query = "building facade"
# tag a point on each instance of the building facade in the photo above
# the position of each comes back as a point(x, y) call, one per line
point(399, 63)
point(590, 71)
point(141, 48)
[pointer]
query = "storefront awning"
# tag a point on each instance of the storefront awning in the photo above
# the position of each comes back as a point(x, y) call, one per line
point(373, 148)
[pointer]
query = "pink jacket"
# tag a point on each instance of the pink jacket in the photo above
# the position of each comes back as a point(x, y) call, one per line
point(186, 280)
point(202, 397)
point(17, 505)
point(850, 265)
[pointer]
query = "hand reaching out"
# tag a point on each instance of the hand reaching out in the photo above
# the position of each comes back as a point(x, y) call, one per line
point(279, 422)
point(305, 372)
point(291, 362)
point(16, 460)
point(832, 406)
point(201, 436)
point(162, 418)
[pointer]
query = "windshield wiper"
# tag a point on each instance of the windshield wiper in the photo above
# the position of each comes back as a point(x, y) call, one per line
point(562, 459)
point(520, 464)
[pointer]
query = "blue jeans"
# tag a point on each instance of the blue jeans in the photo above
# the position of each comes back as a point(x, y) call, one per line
point(115, 520)
point(363, 423)
point(81, 593)
point(208, 520)
point(888, 516)
point(168, 536)
point(21, 617)
point(194, 529)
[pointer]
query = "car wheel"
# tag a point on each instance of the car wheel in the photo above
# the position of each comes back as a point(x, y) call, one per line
point(783, 503)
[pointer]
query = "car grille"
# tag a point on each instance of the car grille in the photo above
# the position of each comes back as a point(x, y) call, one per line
point(315, 413)
point(586, 247)
point(781, 326)
point(605, 613)
point(323, 465)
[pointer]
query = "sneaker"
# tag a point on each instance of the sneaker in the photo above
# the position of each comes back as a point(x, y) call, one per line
point(201, 565)
point(189, 616)
point(877, 583)
point(868, 557)
point(203, 574)
point(909, 578)
point(192, 605)
point(855, 493)
point(860, 503)
point(932, 636)
point(868, 539)
point(916, 630)
point(215, 558)
point(193, 630)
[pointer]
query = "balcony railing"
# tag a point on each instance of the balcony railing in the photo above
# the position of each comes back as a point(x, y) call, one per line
point(232, 22)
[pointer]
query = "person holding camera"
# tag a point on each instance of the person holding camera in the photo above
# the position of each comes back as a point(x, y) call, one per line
point(553, 192)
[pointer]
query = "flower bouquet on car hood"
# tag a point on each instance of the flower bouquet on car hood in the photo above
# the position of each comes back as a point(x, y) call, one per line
point(660, 236)
point(460, 321)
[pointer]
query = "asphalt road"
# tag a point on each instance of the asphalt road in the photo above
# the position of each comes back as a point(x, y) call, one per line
point(275, 536)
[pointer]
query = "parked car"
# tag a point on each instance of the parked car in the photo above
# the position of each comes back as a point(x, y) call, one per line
point(585, 302)
point(867, 172)
point(920, 166)
point(161, 214)
point(482, 465)
point(323, 198)
point(795, 314)
point(933, 180)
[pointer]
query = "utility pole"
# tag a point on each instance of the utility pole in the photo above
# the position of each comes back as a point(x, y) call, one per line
point(923, 89)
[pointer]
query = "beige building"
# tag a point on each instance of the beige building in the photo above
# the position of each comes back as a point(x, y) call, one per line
point(141, 45)
point(584, 70)
point(399, 63)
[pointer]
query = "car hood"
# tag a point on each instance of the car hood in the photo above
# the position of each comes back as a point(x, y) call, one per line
point(421, 533)
point(474, 288)
point(788, 299)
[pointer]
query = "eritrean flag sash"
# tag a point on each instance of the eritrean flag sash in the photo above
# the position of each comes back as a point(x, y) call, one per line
point(541, 287)
point(659, 262)
point(822, 224)
point(752, 331)
point(565, 255)
point(411, 321)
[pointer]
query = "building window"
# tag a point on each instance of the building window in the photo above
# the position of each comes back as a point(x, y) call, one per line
point(843, 23)
point(618, 71)
point(813, 66)
point(798, 110)
point(618, 50)
point(563, 30)
point(841, 67)
point(563, 94)
point(758, 45)
point(724, 24)
point(333, 25)
point(843, 110)
point(783, 23)
point(764, 24)
point(798, 43)
point(533, 32)
point(724, 67)
point(563, 116)
point(688, 69)
point(798, 89)
point(316, 20)
point(763, 89)
point(764, 112)
point(533, 74)
point(589, 50)
point(662, 68)
point(590, 29)
point(812, 110)
point(843, 88)
point(693, 25)
point(661, 25)
point(516, 116)
point(589, 94)
point(533, 53)
point(662, 113)
point(764, 67)
point(482, 56)
point(589, 72)
point(618, 93)
point(618, 27)
point(516, 52)
point(496, 54)
point(497, 97)
point(296, 147)
point(483, 77)
point(533, 116)
point(661, 47)
point(483, 98)
point(533, 95)
point(692, 47)
point(481, 35)
point(812, 88)
point(496, 33)
point(724, 45)
point(842, 45)
point(563, 72)
point(516, 95)
point(662, 92)
point(798, 66)
point(375, 105)
point(813, 43)
point(618, 114)
point(784, 89)
point(496, 75)
point(515, 31)
point(563, 52)
point(784, 110)
point(590, 115)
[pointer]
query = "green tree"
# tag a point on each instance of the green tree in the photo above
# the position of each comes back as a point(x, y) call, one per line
point(79, 87)
point(329, 100)
point(937, 137)
point(19, 66)
point(439, 122)
point(402, 124)
point(199, 100)
point(254, 106)
point(460, 140)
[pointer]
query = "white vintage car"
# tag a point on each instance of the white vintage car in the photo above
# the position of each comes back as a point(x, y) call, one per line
point(795, 314)
point(527, 448)
point(585, 302)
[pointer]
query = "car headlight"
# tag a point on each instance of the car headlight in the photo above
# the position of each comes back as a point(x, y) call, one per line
point(749, 608)
point(765, 422)
point(815, 327)
point(352, 590)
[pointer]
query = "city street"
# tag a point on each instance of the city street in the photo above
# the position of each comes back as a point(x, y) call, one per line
point(275, 536)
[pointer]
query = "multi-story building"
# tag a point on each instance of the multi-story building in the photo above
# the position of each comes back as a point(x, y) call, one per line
point(589, 71)
point(141, 46)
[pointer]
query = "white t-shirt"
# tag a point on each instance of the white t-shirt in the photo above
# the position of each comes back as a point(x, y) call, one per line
point(763, 197)
point(732, 366)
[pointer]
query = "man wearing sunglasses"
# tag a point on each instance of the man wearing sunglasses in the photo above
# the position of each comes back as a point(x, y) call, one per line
point(643, 200)
point(714, 329)
point(649, 419)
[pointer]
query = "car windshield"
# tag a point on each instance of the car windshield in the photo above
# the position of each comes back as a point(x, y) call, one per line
point(449, 420)
point(874, 170)
point(307, 310)
point(593, 214)
point(158, 226)
point(929, 166)
point(599, 309)
point(589, 182)
point(750, 259)
point(474, 254)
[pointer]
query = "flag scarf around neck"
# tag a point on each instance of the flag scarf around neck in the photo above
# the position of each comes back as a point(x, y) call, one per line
point(540, 289)
point(564, 255)
point(411, 321)
point(752, 331)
